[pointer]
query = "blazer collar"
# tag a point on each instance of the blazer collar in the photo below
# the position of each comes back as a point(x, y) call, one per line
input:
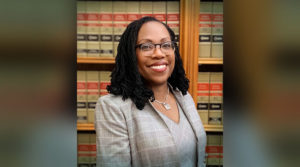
point(182, 102)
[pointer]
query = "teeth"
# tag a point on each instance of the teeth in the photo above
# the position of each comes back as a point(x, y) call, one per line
point(158, 67)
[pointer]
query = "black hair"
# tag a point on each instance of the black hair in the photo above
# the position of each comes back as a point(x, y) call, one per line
point(126, 79)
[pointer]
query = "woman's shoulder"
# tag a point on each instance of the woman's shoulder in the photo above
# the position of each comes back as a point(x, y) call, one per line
point(186, 97)
point(109, 97)
point(112, 99)
point(179, 94)
point(114, 105)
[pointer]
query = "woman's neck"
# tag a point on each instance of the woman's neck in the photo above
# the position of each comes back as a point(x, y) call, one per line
point(160, 92)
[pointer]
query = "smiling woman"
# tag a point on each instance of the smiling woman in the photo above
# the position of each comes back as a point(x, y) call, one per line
point(149, 118)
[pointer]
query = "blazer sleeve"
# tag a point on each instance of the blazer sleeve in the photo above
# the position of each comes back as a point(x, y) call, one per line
point(113, 149)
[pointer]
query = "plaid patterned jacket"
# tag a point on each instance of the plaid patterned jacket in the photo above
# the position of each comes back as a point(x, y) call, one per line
point(127, 136)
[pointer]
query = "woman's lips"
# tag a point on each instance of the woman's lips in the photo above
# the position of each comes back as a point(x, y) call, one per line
point(159, 68)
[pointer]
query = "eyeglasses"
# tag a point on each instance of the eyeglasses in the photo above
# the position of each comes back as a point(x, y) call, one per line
point(165, 47)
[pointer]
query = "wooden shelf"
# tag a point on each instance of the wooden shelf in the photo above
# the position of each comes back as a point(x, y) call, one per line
point(96, 60)
point(210, 61)
point(85, 127)
point(213, 128)
point(91, 127)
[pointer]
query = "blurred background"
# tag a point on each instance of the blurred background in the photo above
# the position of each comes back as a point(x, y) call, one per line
point(261, 87)
point(38, 83)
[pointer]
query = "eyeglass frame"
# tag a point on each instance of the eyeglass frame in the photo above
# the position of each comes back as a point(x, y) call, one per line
point(159, 44)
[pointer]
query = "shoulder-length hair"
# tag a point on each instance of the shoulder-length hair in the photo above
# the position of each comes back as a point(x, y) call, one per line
point(126, 79)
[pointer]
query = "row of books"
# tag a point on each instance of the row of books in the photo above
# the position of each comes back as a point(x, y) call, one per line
point(210, 97)
point(214, 150)
point(100, 24)
point(90, 86)
point(211, 30)
point(86, 150)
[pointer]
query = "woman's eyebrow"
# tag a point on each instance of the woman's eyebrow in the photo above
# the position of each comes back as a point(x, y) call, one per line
point(145, 40)
point(149, 40)
point(165, 39)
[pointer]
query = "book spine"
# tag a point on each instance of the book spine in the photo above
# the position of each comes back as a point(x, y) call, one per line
point(160, 10)
point(106, 29)
point(146, 8)
point(81, 97)
point(203, 96)
point(119, 22)
point(92, 29)
point(81, 29)
point(217, 30)
point(83, 149)
point(93, 93)
point(221, 151)
point(216, 98)
point(173, 17)
point(93, 149)
point(133, 11)
point(205, 27)
point(214, 149)
point(104, 82)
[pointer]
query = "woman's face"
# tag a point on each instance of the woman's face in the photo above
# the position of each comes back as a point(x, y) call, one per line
point(155, 66)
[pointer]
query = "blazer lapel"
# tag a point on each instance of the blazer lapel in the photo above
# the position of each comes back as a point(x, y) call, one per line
point(181, 100)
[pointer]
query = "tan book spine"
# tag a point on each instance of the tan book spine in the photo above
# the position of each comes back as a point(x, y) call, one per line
point(217, 30)
point(160, 10)
point(104, 82)
point(119, 22)
point(205, 28)
point(106, 29)
point(83, 147)
point(133, 11)
point(93, 93)
point(93, 149)
point(93, 29)
point(221, 151)
point(146, 8)
point(81, 97)
point(81, 29)
point(213, 149)
point(203, 96)
point(216, 98)
point(173, 17)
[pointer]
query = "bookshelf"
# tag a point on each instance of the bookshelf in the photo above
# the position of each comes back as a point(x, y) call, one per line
point(91, 127)
point(213, 128)
point(85, 127)
point(96, 60)
point(218, 61)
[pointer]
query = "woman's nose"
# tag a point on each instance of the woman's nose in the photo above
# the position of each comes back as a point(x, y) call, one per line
point(157, 52)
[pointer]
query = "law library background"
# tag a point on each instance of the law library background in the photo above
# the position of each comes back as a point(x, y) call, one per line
point(99, 27)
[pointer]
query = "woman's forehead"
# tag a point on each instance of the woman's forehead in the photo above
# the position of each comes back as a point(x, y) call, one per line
point(153, 31)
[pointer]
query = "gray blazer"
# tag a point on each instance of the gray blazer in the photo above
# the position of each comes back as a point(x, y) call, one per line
point(127, 136)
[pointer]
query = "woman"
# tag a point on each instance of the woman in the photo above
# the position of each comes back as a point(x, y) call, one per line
point(149, 118)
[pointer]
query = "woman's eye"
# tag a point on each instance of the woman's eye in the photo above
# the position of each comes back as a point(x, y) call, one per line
point(166, 46)
point(146, 47)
